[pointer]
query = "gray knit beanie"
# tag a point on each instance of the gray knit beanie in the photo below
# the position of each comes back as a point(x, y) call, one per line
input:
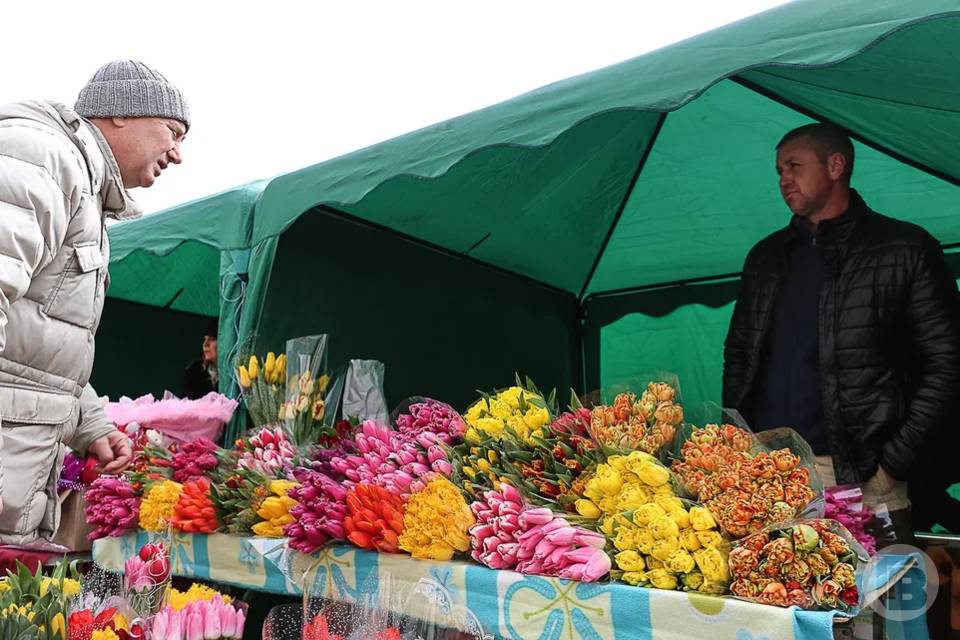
point(131, 89)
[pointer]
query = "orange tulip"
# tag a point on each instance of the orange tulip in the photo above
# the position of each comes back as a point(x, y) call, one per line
point(195, 512)
point(374, 518)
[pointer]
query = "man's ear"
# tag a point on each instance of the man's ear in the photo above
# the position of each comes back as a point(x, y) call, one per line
point(836, 165)
point(119, 122)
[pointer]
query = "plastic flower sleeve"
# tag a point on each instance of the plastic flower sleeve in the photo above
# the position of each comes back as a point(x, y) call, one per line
point(812, 564)
point(305, 414)
point(747, 485)
point(392, 607)
point(180, 419)
point(363, 395)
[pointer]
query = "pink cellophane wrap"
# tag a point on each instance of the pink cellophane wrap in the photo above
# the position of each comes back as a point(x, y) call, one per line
point(181, 419)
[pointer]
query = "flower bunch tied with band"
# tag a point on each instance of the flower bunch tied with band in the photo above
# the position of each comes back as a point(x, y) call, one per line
point(745, 490)
point(810, 564)
point(263, 384)
point(646, 423)
point(514, 420)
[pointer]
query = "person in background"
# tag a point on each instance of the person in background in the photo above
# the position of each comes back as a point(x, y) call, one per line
point(846, 329)
point(202, 376)
point(63, 172)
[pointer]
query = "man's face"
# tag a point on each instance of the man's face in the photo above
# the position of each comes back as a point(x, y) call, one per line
point(144, 147)
point(805, 179)
point(209, 348)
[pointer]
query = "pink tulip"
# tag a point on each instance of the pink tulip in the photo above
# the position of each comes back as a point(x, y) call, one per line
point(194, 626)
point(211, 622)
point(563, 536)
point(436, 452)
point(533, 517)
point(228, 620)
point(241, 619)
point(531, 567)
point(442, 467)
point(590, 539)
point(175, 627)
point(576, 556)
point(158, 628)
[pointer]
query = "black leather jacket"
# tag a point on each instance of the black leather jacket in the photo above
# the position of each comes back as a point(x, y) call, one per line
point(889, 343)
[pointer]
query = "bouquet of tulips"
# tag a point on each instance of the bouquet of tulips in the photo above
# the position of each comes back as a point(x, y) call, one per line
point(552, 469)
point(311, 404)
point(745, 486)
point(515, 419)
point(810, 564)
point(146, 578)
point(645, 423)
point(510, 535)
point(33, 606)
point(201, 619)
point(262, 383)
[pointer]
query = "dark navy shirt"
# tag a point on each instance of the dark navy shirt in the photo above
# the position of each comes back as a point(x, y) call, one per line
point(788, 386)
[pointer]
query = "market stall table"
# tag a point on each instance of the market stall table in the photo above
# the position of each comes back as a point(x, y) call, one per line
point(508, 604)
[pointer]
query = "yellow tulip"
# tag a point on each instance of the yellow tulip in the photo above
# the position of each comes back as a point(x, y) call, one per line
point(644, 541)
point(58, 625)
point(624, 539)
point(253, 367)
point(587, 509)
point(653, 474)
point(662, 579)
point(634, 578)
point(701, 520)
point(712, 564)
point(648, 513)
point(269, 368)
point(609, 480)
point(689, 540)
point(711, 539)
point(681, 517)
point(693, 580)
point(664, 527)
point(244, 377)
point(322, 383)
point(663, 549)
point(630, 560)
point(681, 562)
point(715, 588)
point(669, 503)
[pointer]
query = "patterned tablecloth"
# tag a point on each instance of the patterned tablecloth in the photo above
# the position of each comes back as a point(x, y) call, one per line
point(507, 604)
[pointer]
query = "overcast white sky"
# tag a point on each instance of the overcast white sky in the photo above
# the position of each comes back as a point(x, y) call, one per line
point(278, 85)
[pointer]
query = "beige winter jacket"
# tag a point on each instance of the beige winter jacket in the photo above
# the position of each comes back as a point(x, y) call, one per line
point(58, 182)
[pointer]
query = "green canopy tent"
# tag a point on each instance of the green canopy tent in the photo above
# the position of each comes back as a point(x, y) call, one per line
point(581, 233)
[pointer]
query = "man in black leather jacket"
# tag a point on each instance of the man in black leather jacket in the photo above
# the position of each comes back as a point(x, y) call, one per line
point(846, 329)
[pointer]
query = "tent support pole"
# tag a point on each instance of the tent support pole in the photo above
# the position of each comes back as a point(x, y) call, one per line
point(589, 333)
point(853, 134)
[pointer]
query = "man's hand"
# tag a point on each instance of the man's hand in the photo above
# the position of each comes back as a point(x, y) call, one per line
point(112, 452)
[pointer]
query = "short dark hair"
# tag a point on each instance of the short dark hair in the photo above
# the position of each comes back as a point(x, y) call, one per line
point(826, 140)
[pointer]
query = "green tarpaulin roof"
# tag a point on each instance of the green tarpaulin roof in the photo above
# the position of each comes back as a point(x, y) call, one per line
point(655, 170)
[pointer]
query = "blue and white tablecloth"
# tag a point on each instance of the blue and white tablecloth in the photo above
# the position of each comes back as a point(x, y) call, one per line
point(507, 604)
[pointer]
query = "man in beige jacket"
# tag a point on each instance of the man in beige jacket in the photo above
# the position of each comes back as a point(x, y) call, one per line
point(63, 172)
